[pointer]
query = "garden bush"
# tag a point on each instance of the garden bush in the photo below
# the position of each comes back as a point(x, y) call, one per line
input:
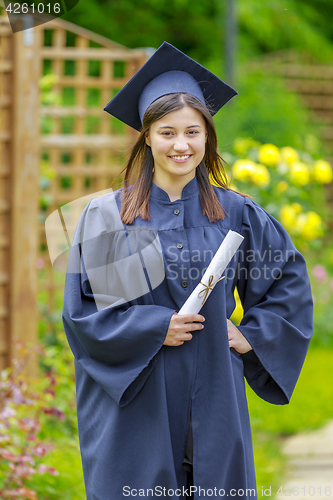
point(24, 409)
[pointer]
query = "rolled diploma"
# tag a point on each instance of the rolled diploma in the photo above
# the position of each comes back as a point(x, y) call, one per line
point(216, 268)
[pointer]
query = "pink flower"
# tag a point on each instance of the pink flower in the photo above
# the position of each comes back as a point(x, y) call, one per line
point(319, 272)
point(8, 412)
point(331, 285)
point(57, 413)
point(41, 449)
point(51, 470)
point(10, 457)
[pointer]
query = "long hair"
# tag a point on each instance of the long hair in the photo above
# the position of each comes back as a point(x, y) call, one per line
point(139, 169)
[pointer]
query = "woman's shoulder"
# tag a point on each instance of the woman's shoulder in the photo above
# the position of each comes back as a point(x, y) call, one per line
point(231, 202)
point(103, 198)
point(105, 207)
point(243, 210)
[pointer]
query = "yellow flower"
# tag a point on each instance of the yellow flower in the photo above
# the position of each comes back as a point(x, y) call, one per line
point(288, 216)
point(322, 172)
point(242, 169)
point(282, 186)
point(241, 145)
point(260, 176)
point(269, 154)
point(289, 155)
point(297, 207)
point(309, 225)
point(237, 315)
point(299, 173)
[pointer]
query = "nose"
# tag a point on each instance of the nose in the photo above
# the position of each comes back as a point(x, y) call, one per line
point(180, 144)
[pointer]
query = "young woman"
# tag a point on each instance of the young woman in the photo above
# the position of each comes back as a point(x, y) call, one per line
point(161, 398)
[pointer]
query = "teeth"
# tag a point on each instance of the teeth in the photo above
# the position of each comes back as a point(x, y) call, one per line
point(181, 157)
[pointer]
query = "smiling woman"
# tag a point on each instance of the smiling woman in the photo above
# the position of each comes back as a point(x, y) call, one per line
point(177, 143)
point(161, 400)
point(188, 124)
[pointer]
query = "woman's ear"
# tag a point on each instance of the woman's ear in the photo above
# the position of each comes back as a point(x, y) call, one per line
point(206, 136)
point(147, 138)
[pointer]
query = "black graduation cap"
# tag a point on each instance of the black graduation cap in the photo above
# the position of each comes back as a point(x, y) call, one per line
point(167, 71)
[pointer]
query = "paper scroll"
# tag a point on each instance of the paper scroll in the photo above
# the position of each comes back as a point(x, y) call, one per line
point(213, 274)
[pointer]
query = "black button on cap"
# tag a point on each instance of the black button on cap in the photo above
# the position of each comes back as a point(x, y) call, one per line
point(179, 246)
point(184, 284)
point(176, 211)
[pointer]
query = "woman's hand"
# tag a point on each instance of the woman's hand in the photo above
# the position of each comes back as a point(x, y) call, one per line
point(236, 339)
point(180, 327)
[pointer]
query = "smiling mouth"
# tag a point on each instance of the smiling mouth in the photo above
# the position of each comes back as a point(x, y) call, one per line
point(180, 157)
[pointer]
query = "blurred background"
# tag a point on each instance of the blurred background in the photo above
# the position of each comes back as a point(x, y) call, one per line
point(57, 144)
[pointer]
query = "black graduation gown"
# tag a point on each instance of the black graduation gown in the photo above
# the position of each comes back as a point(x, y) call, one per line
point(135, 395)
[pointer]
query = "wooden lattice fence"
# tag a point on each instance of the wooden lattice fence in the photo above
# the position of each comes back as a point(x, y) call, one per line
point(313, 82)
point(66, 147)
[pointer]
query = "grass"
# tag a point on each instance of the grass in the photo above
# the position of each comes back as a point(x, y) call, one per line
point(311, 406)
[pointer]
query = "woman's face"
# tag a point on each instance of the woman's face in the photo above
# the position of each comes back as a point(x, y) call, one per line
point(177, 143)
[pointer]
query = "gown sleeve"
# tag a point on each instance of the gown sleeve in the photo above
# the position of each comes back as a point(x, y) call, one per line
point(116, 342)
point(275, 292)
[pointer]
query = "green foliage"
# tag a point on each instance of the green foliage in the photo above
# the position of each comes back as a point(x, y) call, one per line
point(59, 362)
point(198, 27)
point(281, 24)
point(320, 268)
point(191, 25)
point(264, 111)
point(69, 484)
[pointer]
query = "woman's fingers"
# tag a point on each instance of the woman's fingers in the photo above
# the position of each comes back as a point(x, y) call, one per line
point(237, 339)
point(180, 327)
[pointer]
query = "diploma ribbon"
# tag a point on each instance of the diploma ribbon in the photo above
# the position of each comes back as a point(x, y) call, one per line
point(208, 287)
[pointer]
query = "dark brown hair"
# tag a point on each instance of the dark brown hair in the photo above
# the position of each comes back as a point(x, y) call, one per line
point(139, 169)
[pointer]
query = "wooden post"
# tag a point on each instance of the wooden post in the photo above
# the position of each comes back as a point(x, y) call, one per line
point(25, 190)
point(6, 85)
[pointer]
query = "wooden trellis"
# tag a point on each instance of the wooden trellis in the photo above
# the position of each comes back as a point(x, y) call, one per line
point(313, 82)
point(86, 147)
point(72, 146)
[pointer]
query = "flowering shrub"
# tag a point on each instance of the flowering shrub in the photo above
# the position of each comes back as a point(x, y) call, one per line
point(22, 410)
point(287, 183)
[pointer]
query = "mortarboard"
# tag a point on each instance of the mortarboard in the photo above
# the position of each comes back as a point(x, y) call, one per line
point(167, 71)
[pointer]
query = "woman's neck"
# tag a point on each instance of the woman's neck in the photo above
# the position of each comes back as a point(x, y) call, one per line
point(173, 188)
